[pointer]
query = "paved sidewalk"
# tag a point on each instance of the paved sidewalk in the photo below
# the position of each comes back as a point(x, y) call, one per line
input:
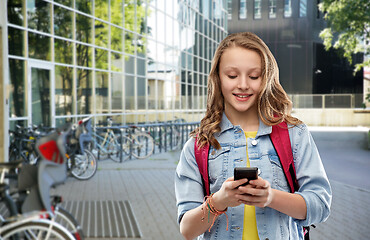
point(149, 188)
point(350, 215)
point(147, 184)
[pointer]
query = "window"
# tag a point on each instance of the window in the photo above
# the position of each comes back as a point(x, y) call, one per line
point(63, 90)
point(257, 9)
point(229, 9)
point(113, 57)
point(242, 9)
point(272, 8)
point(303, 8)
point(288, 8)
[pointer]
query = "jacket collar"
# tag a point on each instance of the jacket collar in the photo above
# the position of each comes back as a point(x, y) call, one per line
point(225, 125)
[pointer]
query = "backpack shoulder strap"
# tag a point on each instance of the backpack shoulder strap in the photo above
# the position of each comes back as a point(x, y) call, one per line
point(201, 156)
point(281, 141)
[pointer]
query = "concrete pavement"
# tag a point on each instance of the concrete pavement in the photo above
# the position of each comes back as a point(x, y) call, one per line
point(148, 187)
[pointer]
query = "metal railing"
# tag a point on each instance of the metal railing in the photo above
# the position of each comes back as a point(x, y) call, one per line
point(327, 100)
point(158, 131)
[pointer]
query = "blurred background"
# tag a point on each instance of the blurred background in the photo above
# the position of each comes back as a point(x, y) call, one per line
point(143, 61)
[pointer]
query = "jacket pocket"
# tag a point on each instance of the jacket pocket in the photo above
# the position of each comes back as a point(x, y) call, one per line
point(279, 179)
point(216, 160)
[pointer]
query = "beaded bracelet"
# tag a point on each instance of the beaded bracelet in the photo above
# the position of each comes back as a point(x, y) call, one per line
point(208, 206)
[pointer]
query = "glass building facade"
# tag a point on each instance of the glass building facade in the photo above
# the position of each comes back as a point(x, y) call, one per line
point(135, 60)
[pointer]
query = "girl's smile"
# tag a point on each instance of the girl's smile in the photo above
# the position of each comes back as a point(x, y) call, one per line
point(242, 97)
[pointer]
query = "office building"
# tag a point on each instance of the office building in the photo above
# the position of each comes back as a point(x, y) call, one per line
point(291, 30)
point(136, 60)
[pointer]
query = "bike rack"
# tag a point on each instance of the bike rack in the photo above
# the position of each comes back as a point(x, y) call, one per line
point(185, 129)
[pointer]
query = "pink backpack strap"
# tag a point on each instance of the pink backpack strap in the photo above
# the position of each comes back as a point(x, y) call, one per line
point(281, 141)
point(201, 156)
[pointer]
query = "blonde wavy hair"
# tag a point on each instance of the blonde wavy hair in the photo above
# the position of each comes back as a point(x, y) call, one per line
point(274, 105)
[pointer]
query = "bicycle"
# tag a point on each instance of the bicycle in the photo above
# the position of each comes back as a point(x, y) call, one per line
point(33, 227)
point(132, 142)
point(39, 224)
point(81, 162)
point(22, 141)
point(142, 143)
point(109, 143)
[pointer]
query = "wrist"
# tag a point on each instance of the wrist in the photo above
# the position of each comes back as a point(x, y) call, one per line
point(213, 208)
point(217, 202)
point(272, 201)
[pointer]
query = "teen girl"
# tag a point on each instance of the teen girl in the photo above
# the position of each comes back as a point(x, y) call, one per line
point(245, 99)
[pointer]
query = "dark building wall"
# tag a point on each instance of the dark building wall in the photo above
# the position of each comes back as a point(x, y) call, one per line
point(294, 41)
point(333, 74)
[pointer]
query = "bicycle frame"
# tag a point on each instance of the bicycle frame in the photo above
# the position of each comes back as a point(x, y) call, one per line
point(103, 146)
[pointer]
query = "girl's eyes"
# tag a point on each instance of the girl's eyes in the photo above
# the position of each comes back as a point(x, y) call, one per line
point(234, 76)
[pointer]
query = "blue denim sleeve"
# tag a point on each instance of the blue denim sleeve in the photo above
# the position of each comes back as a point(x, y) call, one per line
point(188, 181)
point(314, 184)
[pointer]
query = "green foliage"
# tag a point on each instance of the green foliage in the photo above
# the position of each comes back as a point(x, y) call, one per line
point(350, 21)
point(134, 24)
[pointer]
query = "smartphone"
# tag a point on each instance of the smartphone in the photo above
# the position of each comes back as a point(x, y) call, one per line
point(251, 173)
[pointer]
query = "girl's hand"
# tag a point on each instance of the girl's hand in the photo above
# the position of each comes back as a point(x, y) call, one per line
point(228, 195)
point(257, 193)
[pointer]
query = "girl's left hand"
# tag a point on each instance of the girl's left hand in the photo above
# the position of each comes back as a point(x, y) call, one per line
point(257, 193)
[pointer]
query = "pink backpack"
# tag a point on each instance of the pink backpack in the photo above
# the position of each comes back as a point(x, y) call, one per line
point(281, 142)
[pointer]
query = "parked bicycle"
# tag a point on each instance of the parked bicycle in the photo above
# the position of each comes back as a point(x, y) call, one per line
point(22, 142)
point(38, 220)
point(81, 162)
point(111, 144)
point(142, 142)
point(120, 143)
point(33, 226)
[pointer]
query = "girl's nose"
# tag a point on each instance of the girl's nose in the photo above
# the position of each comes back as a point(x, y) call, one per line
point(243, 82)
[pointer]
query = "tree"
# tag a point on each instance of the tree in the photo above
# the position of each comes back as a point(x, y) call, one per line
point(349, 22)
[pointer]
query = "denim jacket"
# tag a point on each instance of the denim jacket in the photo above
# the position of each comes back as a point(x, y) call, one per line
point(271, 224)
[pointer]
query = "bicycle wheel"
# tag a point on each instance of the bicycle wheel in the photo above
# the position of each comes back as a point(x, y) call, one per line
point(66, 219)
point(125, 147)
point(37, 229)
point(85, 166)
point(142, 145)
point(113, 147)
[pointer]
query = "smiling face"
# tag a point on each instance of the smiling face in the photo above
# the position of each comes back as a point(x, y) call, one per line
point(240, 73)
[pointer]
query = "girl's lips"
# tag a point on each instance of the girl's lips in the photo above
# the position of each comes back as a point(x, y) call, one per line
point(242, 97)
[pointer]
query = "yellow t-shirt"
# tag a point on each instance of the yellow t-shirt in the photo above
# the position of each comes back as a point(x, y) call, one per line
point(250, 224)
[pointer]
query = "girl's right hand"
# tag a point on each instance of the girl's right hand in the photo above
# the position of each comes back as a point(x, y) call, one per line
point(227, 195)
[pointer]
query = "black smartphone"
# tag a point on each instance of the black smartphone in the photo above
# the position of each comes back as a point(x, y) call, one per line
point(251, 173)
